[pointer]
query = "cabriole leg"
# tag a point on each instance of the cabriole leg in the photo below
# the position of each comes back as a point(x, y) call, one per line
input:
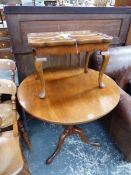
point(39, 70)
point(87, 57)
point(105, 56)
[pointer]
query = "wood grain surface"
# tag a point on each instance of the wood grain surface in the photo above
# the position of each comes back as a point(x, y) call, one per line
point(66, 38)
point(72, 97)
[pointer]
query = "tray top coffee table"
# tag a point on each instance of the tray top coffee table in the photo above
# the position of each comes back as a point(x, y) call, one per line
point(72, 97)
point(68, 42)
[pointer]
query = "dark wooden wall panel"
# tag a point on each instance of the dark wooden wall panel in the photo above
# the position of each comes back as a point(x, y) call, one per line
point(23, 20)
point(110, 27)
point(115, 25)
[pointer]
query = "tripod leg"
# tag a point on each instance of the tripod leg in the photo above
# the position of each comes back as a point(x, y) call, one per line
point(60, 143)
point(83, 136)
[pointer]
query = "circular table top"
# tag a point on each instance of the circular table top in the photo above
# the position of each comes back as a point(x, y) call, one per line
point(72, 96)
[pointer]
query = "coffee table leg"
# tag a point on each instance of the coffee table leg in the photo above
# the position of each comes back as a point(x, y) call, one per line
point(70, 129)
point(39, 70)
point(87, 57)
point(106, 57)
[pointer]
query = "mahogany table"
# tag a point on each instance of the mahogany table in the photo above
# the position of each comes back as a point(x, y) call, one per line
point(71, 42)
point(72, 97)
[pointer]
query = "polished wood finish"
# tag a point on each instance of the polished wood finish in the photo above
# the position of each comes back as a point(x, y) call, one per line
point(71, 96)
point(61, 50)
point(23, 20)
point(39, 69)
point(66, 38)
point(106, 57)
point(70, 42)
point(87, 57)
point(122, 3)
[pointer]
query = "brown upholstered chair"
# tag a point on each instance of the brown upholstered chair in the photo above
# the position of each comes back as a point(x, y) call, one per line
point(119, 68)
point(11, 160)
point(5, 106)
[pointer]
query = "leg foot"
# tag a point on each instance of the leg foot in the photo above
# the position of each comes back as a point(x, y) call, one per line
point(42, 94)
point(101, 85)
point(95, 144)
point(83, 136)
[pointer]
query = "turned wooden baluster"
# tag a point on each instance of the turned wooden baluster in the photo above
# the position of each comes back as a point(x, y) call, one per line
point(24, 134)
point(14, 115)
point(105, 56)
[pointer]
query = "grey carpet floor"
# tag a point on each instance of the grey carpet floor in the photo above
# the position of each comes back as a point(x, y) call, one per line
point(75, 157)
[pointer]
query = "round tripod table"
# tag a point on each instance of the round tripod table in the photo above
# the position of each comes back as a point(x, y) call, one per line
point(72, 97)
